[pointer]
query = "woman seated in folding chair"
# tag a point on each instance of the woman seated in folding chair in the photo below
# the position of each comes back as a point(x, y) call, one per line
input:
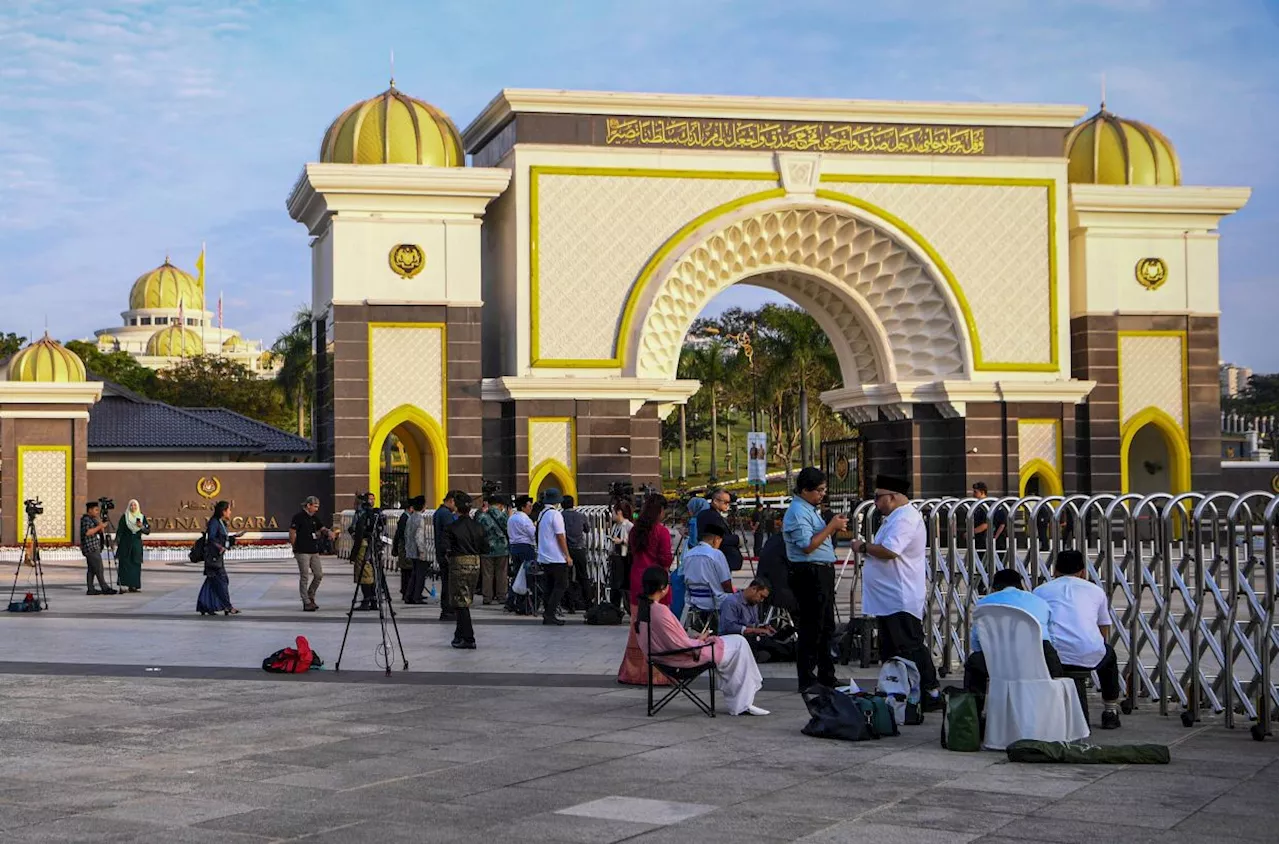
point(664, 641)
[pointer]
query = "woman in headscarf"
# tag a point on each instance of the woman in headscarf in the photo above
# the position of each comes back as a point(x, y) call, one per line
point(215, 595)
point(133, 526)
point(650, 547)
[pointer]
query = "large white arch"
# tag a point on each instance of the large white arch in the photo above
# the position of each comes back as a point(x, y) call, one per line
point(869, 285)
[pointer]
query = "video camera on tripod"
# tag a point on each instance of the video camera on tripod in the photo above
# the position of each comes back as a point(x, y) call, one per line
point(34, 507)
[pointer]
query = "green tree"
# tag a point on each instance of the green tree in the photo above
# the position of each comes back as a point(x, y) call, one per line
point(297, 372)
point(211, 381)
point(10, 343)
point(708, 363)
point(798, 352)
point(1258, 398)
point(118, 367)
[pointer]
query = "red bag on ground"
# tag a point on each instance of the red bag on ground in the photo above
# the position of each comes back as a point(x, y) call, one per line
point(293, 660)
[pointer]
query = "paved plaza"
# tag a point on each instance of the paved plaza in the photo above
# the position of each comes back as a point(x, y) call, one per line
point(130, 718)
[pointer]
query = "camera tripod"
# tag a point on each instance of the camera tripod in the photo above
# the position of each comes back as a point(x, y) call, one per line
point(41, 593)
point(372, 558)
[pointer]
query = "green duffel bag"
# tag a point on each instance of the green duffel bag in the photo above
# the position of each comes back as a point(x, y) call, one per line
point(961, 720)
point(879, 714)
point(1083, 753)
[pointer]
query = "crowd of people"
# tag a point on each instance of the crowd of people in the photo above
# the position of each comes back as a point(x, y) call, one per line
point(487, 549)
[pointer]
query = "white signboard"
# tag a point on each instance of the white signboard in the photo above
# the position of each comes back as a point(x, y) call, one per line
point(756, 457)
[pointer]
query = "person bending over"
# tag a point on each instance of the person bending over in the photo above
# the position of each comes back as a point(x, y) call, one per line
point(1081, 617)
point(1007, 591)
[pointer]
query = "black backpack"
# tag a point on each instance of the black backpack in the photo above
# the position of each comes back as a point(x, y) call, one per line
point(602, 614)
point(196, 555)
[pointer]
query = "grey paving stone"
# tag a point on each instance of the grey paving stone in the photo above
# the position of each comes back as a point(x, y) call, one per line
point(942, 817)
point(881, 833)
point(1231, 826)
point(637, 810)
point(170, 810)
point(566, 828)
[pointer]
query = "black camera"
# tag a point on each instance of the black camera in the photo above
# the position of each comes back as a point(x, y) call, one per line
point(34, 507)
point(106, 505)
point(488, 488)
point(622, 489)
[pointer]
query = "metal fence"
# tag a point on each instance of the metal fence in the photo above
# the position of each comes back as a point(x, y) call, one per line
point(1191, 579)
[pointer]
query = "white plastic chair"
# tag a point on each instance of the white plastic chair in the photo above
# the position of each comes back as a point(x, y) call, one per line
point(1023, 701)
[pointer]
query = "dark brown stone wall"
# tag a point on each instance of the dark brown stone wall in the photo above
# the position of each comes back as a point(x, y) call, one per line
point(1094, 357)
point(464, 422)
point(646, 447)
point(987, 429)
point(604, 447)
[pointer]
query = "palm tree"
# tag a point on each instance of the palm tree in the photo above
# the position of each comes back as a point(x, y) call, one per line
point(708, 363)
point(296, 376)
point(799, 352)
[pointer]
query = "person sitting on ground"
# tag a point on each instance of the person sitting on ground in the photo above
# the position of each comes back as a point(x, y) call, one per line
point(657, 630)
point(1007, 590)
point(1081, 616)
point(706, 573)
point(740, 614)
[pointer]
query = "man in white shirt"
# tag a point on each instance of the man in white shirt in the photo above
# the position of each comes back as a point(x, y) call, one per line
point(1081, 626)
point(553, 555)
point(707, 578)
point(894, 579)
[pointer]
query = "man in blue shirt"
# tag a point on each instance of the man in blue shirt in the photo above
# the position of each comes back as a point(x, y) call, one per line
point(1008, 591)
point(740, 614)
point(706, 572)
point(811, 558)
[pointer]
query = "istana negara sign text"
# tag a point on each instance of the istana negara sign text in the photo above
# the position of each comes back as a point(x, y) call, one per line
point(800, 137)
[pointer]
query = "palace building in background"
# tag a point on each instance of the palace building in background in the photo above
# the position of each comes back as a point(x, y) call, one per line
point(1016, 293)
point(166, 321)
point(1020, 294)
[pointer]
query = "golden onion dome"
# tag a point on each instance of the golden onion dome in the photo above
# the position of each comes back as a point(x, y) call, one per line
point(1108, 150)
point(47, 360)
point(107, 340)
point(164, 288)
point(233, 344)
point(393, 128)
point(175, 341)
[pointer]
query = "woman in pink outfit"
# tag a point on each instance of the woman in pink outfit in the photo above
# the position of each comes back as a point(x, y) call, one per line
point(656, 628)
point(650, 546)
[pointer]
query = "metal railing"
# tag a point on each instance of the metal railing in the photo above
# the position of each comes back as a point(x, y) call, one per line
point(1191, 580)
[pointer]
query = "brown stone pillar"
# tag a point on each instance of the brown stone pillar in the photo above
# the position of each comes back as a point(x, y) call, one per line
point(1204, 403)
point(1094, 357)
point(991, 448)
point(464, 416)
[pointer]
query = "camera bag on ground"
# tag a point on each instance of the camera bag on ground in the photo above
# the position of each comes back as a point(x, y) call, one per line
point(27, 604)
point(196, 554)
point(602, 614)
point(961, 720)
point(833, 715)
point(293, 660)
point(899, 681)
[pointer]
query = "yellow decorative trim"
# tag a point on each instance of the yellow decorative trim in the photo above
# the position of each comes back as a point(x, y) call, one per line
point(23, 451)
point(430, 428)
point(1175, 440)
point(1186, 385)
point(1057, 433)
point(556, 469)
point(539, 362)
point(436, 431)
point(1048, 475)
point(1050, 185)
point(568, 476)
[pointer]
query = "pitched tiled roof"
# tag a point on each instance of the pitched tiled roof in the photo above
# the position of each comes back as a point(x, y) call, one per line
point(272, 438)
point(125, 421)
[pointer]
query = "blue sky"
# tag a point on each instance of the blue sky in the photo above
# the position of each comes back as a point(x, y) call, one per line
point(132, 129)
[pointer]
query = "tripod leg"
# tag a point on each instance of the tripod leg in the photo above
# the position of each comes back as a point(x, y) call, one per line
point(351, 611)
point(386, 592)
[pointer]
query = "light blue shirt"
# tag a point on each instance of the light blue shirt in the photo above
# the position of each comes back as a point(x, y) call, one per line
point(801, 524)
point(705, 571)
point(1023, 600)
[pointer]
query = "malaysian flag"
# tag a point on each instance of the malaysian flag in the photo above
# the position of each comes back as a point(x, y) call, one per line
point(219, 310)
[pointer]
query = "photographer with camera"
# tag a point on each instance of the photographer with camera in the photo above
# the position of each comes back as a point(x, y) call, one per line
point(364, 532)
point(92, 531)
point(730, 546)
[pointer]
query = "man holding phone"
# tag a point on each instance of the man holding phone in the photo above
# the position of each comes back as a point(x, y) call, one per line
point(811, 559)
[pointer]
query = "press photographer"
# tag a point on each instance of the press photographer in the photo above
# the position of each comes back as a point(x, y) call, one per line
point(92, 533)
point(366, 551)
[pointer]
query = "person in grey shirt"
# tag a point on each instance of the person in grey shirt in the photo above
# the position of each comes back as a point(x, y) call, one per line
point(575, 536)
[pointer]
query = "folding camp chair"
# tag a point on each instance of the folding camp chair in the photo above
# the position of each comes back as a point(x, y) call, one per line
point(681, 677)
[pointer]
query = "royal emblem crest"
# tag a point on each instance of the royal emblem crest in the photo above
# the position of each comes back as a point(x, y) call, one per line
point(209, 487)
point(1151, 272)
point(407, 260)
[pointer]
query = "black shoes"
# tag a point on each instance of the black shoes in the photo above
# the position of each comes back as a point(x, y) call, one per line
point(1110, 719)
point(464, 644)
point(367, 605)
point(107, 591)
point(553, 622)
point(310, 608)
point(93, 592)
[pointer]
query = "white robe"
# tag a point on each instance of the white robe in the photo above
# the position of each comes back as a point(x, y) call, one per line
point(739, 676)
